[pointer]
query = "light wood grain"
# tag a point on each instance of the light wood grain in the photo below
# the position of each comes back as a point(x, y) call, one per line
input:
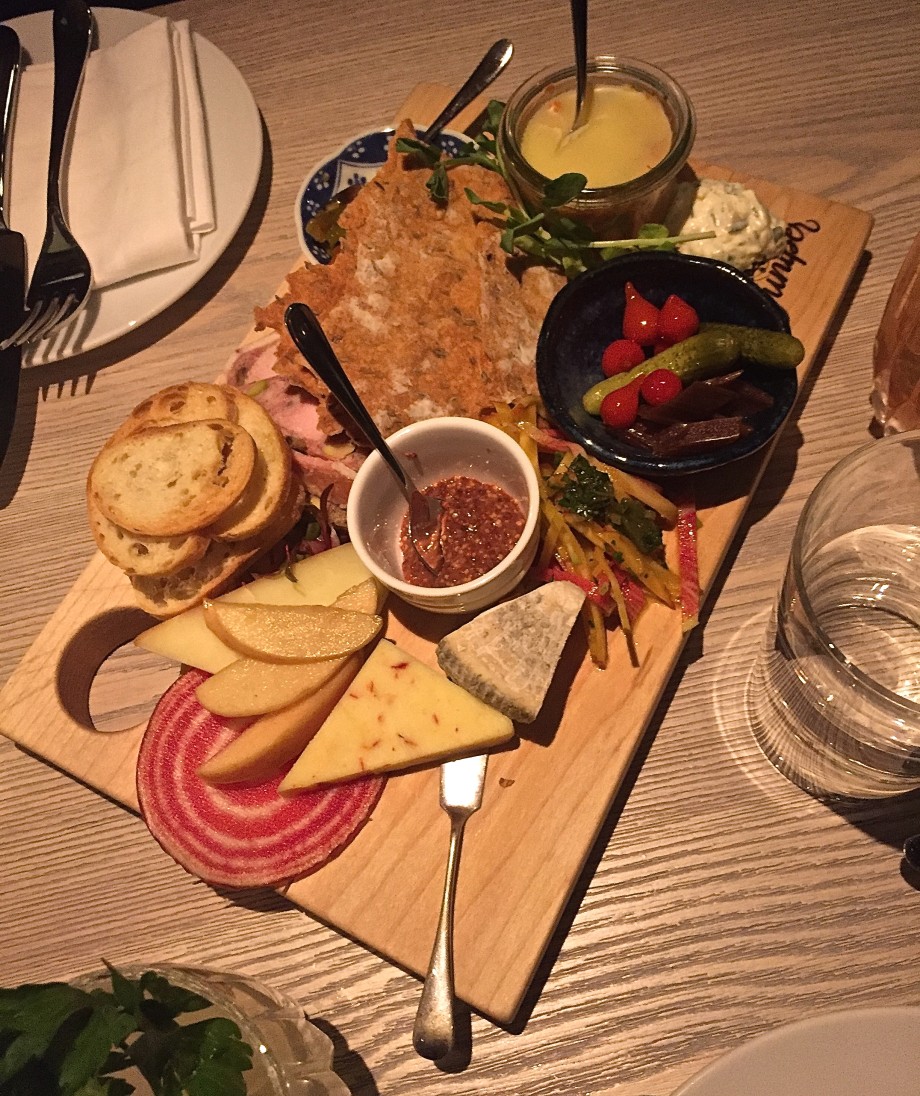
point(719, 900)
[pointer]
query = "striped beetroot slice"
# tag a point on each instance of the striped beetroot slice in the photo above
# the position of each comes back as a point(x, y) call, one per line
point(242, 835)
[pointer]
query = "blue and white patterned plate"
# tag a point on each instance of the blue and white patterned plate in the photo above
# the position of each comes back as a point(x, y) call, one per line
point(358, 162)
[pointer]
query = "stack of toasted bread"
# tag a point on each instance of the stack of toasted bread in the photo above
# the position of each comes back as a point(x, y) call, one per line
point(191, 488)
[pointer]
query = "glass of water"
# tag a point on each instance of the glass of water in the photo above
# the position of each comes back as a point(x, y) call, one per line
point(834, 694)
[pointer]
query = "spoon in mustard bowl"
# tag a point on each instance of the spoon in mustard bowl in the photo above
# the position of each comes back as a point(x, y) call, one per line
point(424, 526)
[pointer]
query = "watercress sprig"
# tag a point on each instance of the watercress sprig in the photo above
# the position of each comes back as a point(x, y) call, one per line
point(60, 1040)
point(547, 234)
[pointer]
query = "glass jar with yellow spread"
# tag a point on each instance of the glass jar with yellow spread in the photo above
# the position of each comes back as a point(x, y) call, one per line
point(636, 139)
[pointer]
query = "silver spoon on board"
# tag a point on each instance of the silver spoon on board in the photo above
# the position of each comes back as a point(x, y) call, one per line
point(323, 225)
point(580, 36)
point(424, 527)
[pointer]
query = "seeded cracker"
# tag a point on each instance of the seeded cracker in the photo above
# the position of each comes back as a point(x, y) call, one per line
point(428, 315)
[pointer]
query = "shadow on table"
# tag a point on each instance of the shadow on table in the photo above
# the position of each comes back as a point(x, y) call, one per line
point(888, 821)
point(347, 1063)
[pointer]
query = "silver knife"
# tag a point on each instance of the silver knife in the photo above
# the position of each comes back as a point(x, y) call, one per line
point(433, 1036)
point(12, 246)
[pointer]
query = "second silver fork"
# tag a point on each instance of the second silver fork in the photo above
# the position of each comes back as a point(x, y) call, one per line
point(62, 278)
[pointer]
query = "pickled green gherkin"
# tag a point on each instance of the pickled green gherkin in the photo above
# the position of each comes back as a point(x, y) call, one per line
point(714, 350)
point(693, 359)
point(775, 349)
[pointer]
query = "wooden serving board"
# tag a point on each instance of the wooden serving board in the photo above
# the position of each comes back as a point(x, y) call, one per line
point(545, 799)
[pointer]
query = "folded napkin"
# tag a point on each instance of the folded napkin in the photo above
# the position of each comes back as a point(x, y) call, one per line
point(137, 187)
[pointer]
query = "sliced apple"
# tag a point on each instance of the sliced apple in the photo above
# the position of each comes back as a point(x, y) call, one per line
point(290, 633)
point(316, 580)
point(269, 743)
point(364, 597)
point(250, 686)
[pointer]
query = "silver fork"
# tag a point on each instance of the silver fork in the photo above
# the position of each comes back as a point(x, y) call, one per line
point(62, 278)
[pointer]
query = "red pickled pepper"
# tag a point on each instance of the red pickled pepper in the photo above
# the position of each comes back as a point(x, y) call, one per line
point(660, 386)
point(620, 355)
point(619, 408)
point(677, 320)
point(640, 318)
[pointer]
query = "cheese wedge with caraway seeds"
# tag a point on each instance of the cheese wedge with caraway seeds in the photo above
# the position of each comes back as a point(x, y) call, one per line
point(398, 713)
point(507, 655)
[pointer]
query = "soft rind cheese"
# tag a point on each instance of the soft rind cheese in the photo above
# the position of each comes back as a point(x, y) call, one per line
point(316, 580)
point(507, 655)
point(396, 714)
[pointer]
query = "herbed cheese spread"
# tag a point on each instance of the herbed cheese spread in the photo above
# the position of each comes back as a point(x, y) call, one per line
point(746, 232)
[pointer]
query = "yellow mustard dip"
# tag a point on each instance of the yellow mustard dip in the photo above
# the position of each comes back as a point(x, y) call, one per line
point(626, 134)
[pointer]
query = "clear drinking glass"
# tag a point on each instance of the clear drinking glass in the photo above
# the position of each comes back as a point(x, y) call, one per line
point(291, 1057)
point(834, 695)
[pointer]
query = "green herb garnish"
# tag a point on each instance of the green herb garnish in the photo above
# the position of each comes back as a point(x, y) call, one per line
point(58, 1040)
point(588, 492)
point(547, 234)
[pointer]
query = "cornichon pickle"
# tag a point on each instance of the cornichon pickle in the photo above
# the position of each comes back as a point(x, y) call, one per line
point(772, 348)
point(693, 359)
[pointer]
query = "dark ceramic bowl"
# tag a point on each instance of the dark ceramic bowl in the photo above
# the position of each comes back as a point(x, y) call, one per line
point(587, 314)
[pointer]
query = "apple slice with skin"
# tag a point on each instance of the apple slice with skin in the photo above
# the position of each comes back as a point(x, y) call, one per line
point(269, 743)
point(290, 633)
point(252, 686)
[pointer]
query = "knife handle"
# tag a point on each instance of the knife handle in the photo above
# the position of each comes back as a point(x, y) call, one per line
point(73, 34)
point(10, 59)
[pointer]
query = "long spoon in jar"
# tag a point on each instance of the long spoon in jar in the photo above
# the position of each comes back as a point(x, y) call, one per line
point(580, 37)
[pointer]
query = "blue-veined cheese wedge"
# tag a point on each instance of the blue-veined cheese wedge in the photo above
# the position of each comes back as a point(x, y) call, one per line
point(507, 655)
point(397, 713)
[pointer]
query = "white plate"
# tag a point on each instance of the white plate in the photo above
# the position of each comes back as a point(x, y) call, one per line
point(234, 130)
point(865, 1052)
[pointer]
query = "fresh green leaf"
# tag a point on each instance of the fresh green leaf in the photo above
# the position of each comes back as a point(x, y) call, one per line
point(588, 492)
point(31, 1020)
point(57, 1040)
point(106, 1026)
point(639, 524)
point(428, 154)
point(494, 207)
point(563, 189)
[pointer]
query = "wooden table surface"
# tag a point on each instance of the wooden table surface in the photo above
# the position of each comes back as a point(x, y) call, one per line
point(719, 900)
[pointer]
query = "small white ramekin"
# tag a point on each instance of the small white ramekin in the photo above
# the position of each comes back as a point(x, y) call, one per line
point(432, 450)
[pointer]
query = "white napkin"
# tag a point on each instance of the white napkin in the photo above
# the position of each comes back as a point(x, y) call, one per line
point(137, 187)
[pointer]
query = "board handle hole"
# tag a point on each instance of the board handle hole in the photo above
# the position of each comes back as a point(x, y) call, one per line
point(104, 682)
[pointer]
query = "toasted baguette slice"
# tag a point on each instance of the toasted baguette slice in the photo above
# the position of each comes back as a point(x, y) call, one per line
point(143, 555)
point(169, 595)
point(185, 402)
point(265, 494)
point(169, 480)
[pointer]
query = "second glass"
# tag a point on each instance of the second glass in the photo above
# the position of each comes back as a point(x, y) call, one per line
point(834, 695)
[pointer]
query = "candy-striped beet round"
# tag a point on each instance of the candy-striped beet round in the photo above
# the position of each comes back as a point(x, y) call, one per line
point(242, 835)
